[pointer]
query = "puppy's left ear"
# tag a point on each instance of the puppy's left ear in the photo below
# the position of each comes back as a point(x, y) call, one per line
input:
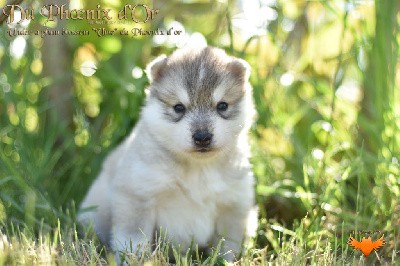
point(154, 70)
point(240, 69)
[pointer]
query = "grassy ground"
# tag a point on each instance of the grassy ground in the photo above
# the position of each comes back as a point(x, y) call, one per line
point(326, 145)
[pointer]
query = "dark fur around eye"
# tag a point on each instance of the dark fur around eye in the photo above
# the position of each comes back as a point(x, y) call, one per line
point(222, 106)
point(179, 108)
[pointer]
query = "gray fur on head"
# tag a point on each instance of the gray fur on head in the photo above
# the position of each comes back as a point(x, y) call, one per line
point(193, 60)
point(200, 72)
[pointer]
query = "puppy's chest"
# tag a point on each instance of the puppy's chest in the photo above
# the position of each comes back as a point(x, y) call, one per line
point(188, 211)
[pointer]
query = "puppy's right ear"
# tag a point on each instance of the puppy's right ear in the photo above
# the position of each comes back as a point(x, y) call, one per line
point(154, 70)
point(240, 69)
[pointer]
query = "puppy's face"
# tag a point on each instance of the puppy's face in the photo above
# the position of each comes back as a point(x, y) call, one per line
point(199, 102)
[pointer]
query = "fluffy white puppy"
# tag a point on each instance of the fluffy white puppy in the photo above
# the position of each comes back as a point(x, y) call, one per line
point(185, 167)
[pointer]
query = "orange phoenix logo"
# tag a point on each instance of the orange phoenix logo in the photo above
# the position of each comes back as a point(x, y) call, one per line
point(366, 245)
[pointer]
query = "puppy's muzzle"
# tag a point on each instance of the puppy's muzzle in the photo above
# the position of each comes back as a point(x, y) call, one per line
point(202, 138)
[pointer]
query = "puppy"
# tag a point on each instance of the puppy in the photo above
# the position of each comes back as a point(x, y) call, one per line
point(185, 167)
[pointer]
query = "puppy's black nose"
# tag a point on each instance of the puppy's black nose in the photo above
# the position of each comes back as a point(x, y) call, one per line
point(202, 138)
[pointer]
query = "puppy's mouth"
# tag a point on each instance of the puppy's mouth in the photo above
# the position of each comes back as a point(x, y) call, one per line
point(204, 150)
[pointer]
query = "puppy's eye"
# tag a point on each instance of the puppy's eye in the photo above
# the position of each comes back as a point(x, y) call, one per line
point(222, 106)
point(179, 108)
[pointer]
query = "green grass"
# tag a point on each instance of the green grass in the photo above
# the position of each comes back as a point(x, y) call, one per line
point(65, 247)
point(327, 166)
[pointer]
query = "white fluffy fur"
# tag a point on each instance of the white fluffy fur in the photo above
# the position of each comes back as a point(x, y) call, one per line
point(152, 180)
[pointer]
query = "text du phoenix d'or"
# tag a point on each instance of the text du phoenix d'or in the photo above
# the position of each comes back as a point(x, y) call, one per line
point(139, 13)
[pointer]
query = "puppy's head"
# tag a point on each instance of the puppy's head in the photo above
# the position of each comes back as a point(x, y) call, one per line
point(199, 102)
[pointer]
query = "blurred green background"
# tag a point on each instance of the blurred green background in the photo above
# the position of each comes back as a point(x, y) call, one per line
point(325, 145)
